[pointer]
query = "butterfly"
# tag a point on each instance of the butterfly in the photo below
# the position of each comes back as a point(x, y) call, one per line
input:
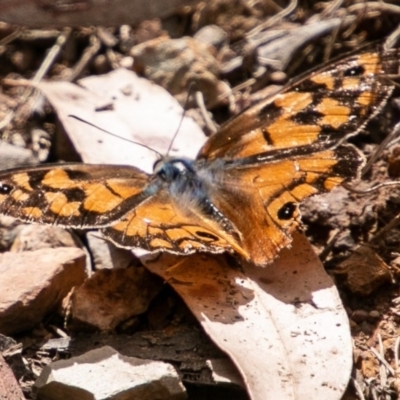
point(242, 192)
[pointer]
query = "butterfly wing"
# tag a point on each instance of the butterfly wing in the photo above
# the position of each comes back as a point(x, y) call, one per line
point(72, 195)
point(168, 222)
point(261, 199)
point(289, 147)
point(136, 210)
point(319, 110)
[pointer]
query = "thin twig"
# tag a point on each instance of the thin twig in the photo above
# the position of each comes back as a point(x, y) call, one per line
point(275, 19)
point(372, 189)
point(392, 39)
point(87, 55)
point(382, 360)
point(332, 38)
point(358, 389)
point(12, 36)
point(329, 245)
point(58, 331)
point(51, 55)
point(392, 224)
point(353, 26)
point(396, 352)
point(388, 139)
point(200, 103)
point(331, 8)
point(382, 369)
point(374, 6)
point(45, 66)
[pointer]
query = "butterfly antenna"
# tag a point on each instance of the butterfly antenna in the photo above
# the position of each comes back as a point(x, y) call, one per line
point(113, 134)
point(191, 86)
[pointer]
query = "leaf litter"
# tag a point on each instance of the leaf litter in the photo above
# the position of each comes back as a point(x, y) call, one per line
point(373, 320)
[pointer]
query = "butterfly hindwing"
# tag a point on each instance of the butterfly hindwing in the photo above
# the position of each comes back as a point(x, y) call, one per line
point(165, 223)
point(268, 195)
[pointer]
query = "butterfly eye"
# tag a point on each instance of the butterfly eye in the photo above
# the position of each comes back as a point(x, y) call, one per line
point(287, 211)
point(5, 188)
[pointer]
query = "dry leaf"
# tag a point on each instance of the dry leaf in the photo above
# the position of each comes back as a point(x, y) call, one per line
point(128, 106)
point(283, 326)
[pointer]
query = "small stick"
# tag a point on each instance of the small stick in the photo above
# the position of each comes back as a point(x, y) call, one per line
point(200, 103)
point(396, 352)
point(48, 61)
point(87, 55)
point(382, 360)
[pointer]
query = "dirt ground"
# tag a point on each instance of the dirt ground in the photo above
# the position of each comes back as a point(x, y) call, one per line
point(346, 228)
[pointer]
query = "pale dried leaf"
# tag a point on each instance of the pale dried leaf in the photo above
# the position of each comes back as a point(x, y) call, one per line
point(283, 326)
point(139, 111)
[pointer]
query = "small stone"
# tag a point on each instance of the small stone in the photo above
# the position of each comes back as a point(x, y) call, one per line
point(9, 387)
point(148, 30)
point(110, 297)
point(176, 63)
point(366, 328)
point(344, 241)
point(126, 62)
point(15, 156)
point(33, 283)
point(22, 60)
point(374, 314)
point(106, 374)
point(105, 255)
point(12, 353)
point(364, 271)
point(359, 315)
point(35, 237)
point(394, 162)
point(353, 324)
point(278, 77)
point(100, 64)
point(212, 35)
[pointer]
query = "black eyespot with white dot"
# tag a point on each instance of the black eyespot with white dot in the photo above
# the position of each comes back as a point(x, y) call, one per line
point(286, 212)
point(5, 188)
point(355, 71)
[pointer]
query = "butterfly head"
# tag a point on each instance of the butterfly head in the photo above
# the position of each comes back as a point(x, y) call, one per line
point(169, 168)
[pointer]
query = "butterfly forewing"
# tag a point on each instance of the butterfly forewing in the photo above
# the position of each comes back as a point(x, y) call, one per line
point(75, 195)
point(318, 110)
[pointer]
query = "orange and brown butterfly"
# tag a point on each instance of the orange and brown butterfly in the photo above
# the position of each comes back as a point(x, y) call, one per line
point(241, 193)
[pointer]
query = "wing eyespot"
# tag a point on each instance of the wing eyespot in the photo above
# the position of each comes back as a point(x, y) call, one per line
point(355, 71)
point(5, 188)
point(287, 211)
